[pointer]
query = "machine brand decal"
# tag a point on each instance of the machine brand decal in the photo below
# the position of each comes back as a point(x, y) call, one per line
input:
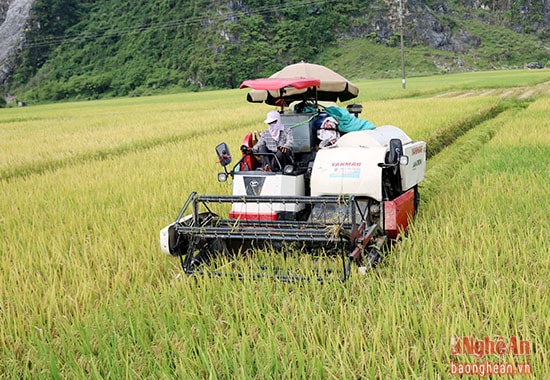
point(417, 150)
point(417, 163)
point(253, 185)
point(347, 169)
point(346, 164)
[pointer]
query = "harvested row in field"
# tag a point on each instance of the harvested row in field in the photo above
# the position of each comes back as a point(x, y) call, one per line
point(457, 84)
point(63, 133)
point(88, 142)
point(86, 293)
point(483, 238)
point(420, 118)
point(443, 166)
point(102, 154)
point(58, 133)
point(444, 137)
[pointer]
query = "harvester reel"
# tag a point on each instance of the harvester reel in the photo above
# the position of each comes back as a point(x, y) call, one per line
point(198, 249)
point(373, 257)
point(207, 249)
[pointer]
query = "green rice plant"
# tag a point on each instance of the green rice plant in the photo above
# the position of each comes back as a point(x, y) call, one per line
point(482, 234)
point(496, 82)
point(424, 118)
point(86, 292)
point(77, 132)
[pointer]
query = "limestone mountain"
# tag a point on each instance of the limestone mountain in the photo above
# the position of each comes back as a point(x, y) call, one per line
point(68, 49)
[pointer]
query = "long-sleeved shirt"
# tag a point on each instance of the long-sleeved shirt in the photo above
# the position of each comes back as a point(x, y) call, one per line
point(285, 140)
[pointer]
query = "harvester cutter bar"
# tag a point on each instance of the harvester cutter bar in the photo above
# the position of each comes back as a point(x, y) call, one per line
point(244, 231)
point(340, 199)
point(330, 230)
point(332, 226)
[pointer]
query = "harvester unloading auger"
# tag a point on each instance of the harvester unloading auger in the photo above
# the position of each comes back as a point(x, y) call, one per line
point(349, 199)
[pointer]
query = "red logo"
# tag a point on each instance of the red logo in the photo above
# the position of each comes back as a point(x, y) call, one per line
point(478, 348)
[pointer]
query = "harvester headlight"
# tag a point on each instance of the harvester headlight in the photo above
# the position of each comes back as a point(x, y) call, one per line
point(404, 160)
point(222, 177)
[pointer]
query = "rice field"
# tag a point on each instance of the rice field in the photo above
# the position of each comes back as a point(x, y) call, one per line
point(86, 292)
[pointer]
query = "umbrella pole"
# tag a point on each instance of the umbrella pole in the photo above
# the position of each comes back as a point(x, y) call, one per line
point(281, 102)
point(315, 92)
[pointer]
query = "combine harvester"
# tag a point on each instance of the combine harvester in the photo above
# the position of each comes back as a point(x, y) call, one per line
point(347, 200)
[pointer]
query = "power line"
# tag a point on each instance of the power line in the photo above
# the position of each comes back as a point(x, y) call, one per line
point(121, 32)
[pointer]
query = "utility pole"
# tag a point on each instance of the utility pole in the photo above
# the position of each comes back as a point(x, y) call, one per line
point(403, 80)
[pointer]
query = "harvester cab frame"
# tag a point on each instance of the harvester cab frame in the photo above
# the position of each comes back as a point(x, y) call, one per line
point(347, 201)
point(224, 158)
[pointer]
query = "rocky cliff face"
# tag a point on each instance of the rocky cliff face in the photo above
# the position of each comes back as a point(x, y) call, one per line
point(13, 18)
point(444, 25)
point(432, 25)
point(4, 5)
point(427, 28)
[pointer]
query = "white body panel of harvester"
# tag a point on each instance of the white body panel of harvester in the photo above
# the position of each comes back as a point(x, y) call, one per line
point(257, 183)
point(374, 138)
point(348, 170)
point(413, 172)
point(165, 240)
point(351, 165)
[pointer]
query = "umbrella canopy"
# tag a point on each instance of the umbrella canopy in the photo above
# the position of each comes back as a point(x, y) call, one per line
point(333, 86)
point(280, 83)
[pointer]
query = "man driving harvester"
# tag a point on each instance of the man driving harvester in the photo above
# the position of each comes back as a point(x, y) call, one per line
point(275, 144)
